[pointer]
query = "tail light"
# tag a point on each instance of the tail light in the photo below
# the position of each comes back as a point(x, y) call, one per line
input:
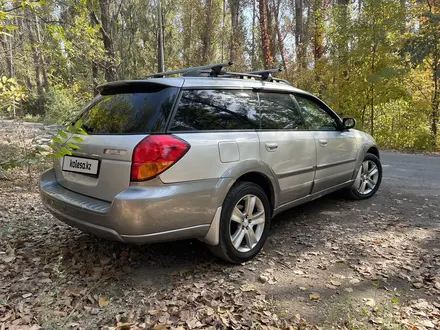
point(155, 154)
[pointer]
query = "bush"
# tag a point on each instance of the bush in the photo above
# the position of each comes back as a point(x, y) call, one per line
point(401, 126)
point(55, 106)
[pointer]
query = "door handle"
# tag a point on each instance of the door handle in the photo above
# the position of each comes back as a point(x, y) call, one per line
point(323, 143)
point(271, 147)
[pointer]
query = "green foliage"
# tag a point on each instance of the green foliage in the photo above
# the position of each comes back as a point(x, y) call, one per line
point(400, 127)
point(60, 146)
point(7, 15)
point(422, 50)
point(375, 60)
point(10, 93)
point(425, 44)
point(55, 106)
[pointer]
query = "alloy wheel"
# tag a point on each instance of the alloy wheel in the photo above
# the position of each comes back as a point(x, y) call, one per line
point(247, 223)
point(367, 177)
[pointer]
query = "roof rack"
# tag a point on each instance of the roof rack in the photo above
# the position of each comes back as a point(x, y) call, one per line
point(265, 74)
point(217, 70)
point(213, 69)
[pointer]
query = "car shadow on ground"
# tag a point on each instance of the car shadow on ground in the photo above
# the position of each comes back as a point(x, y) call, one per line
point(307, 247)
point(152, 264)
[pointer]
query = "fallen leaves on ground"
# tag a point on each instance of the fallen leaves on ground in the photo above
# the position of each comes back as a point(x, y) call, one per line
point(53, 276)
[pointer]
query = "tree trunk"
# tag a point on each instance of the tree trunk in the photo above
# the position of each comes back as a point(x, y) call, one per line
point(35, 57)
point(94, 77)
point(271, 31)
point(318, 27)
point(223, 35)
point(41, 57)
point(265, 37)
point(306, 35)
point(235, 10)
point(93, 63)
point(187, 33)
point(404, 10)
point(276, 6)
point(160, 45)
point(206, 41)
point(299, 32)
point(254, 14)
point(300, 42)
point(9, 57)
point(109, 70)
point(343, 8)
point(373, 67)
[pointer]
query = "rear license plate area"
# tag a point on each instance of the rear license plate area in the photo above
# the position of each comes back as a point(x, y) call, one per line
point(82, 165)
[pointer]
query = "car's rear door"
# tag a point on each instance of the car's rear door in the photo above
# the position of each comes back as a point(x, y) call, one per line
point(336, 149)
point(286, 145)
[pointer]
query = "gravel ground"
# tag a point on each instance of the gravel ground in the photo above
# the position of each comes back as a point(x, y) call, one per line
point(329, 264)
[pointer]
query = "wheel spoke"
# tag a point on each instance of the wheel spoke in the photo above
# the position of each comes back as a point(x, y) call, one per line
point(237, 216)
point(373, 172)
point(364, 167)
point(260, 220)
point(251, 238)
point(250, 205)
point(371, 183)
point(237, 238)
point(363, 187)
point(256, 215)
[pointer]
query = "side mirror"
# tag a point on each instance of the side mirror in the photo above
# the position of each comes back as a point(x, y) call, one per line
point(349, 123)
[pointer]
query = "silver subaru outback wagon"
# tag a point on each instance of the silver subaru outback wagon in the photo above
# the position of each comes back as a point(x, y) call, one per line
point(210, 154)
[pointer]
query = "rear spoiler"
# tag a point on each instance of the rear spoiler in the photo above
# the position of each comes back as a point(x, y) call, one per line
point(123, 84)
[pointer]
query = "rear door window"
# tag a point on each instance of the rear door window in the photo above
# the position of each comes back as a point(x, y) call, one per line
point(140, 110)
point(278, 112)
point(202, 110)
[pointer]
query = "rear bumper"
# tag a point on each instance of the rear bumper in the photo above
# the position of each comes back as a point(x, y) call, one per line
point(140, 214)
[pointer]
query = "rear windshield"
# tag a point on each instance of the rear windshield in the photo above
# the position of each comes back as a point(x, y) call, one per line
point(134, 111)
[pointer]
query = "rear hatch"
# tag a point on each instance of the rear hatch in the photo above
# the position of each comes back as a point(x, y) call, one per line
point(117, 120)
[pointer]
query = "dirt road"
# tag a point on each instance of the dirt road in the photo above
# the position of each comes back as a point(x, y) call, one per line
point(330, 263)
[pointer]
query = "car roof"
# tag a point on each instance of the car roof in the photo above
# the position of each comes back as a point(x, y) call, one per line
point(207, 83)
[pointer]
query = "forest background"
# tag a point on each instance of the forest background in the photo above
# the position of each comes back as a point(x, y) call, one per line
point(375, 60)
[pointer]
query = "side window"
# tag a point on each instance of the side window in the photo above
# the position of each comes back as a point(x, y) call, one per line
point(316, 117)
point(278, 111)
point(200, 110)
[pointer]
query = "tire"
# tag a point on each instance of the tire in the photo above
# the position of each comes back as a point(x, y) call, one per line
point(239, 226)
point(362, 187)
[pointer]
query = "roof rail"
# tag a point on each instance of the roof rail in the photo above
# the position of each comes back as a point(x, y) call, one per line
point(215, 70)
point(241, 75)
